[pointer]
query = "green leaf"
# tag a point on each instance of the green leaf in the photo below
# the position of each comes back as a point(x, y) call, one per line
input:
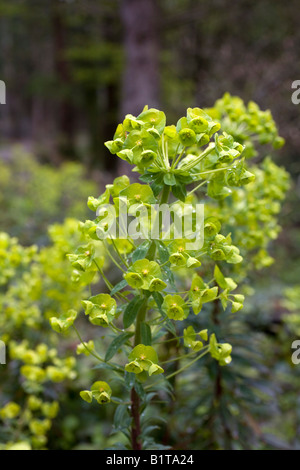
point(169, 179)
point(131, 311)
point(121, 418)
point(116, 344)
point(149, 429)
point(146, 336)
point(129, 378)
point(163, 251)
point(157, 184)
point(119, 287)
point(179, 191)
point(158, 299)
point(169, 276)
point(140, 390)
point(147, 178)
point(220, 278)
point(141, 251)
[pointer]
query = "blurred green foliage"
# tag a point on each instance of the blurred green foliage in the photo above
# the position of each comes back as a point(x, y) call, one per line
point(37, 284)
point(35, 195)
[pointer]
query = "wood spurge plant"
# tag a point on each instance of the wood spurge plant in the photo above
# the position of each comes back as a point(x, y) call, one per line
point(163, 310)
point(140, 310)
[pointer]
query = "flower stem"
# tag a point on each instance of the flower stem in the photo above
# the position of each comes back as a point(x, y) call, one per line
point(86, 347)
point(136, 423)
point(135, 399)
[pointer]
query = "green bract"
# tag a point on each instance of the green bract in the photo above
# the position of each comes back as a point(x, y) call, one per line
point(189, 336)
point(152, 118)
point(82, 259)
point(64, 322)
point(119, 183)
point(175, 307)
point(145, 274)
point(143, 358)
point(101, 309)
point(138, 194)
point(200, 293)
point(220, 351)
point(100, 391)
point(137, 142)
point(226, 148)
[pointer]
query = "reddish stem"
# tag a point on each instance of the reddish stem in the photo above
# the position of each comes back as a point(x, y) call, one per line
point(136, 424)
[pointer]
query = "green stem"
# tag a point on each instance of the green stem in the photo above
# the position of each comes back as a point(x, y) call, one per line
point(177, 160)
point(196, 188)
point(113, 259)
point(180, 370)
point(109, 284)
point(213, 171)
point(119, 254)
point(189, 364)
point(136, 422)
point(204, 154)
point(178, 358)
point(135, 399)
point(88, 349)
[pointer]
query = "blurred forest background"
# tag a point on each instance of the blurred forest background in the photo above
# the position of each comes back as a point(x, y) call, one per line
point(74, 68)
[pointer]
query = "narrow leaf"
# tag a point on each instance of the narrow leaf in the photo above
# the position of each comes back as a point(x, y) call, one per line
point(118, 287)
point(141, 251)
point(121, 418)
point(131, 311)
point(116, 344)
point(163, 251)
point(146, 336)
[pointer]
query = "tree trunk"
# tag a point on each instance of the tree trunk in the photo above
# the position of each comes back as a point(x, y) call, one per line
point(66, 114)
point(141, 76)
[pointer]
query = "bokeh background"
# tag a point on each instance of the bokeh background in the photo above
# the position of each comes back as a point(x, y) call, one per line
point(74, 68)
